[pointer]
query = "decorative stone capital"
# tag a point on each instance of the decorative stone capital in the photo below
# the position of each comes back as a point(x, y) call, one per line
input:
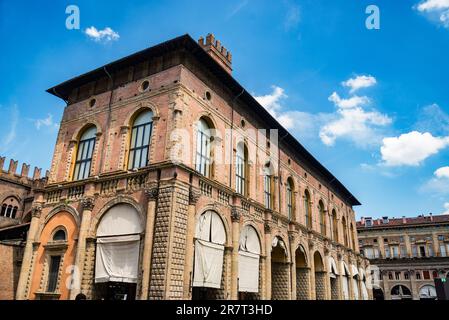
point(36, 211)
point(194, 195)
point(235, 215)
point(291, 237)
point(88, 203)
point(152, 192)
point(267, 227)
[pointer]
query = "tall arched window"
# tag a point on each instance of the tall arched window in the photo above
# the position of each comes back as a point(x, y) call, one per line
point(85, 151)
point(9, 208)
point(307, 209)
point(334, 225)
point(241, 162)
point(290, 199)
point(140, 140)
point(203, 148)
point(267, 187)
point(352, 236)
point(322, 218)
point(345, 231)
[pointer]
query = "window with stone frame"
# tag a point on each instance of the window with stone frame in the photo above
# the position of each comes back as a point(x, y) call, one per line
point(267, 187)
point(85, 150)
point(308, 209)
point(203, 148)
point(290, 198)
point(140, 140)
point(322, 211)
point(241, 168)
point(418, 275)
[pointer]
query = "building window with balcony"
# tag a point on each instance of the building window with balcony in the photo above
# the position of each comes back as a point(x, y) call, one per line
point(415, 251)
point(426, 275)
point(140, 140)
point(322, 217)
point(418, 275)
point(387, 252)
point(395, 251)
point(422, 251)
point(85, 151)
point(241, 163)
point(443, 252)
point(390, 276)
point(430, 250)
point(403, 251)
point(307, 209)
point(203, 148)
point(290, 198)
point(397, 275)
point(406, 276)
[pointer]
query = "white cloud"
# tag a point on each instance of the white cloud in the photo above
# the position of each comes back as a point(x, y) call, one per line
point(105, 35)
point(46, 122)
point(432, 5)
point(359, 82)
point(435, 10)
point(446, 207)
point(353, 122)
point(292, 17)
point(411, 149)
point(442, 172)
point(352, 102)
point(272, 103)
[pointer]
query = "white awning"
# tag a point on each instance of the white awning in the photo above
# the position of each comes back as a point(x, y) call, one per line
point(208, 264)
point(117, 259)
point(354, 270)
point(365, 295)
point(344, 269)
point(248, 272)
point(278, 241)
point(345, 287)
point(210, 228)
point(249, 251)
point(355, 288)
point(333, 266)
point(121, 219)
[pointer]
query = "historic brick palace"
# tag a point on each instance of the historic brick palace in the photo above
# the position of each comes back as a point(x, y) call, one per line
point(170, 181)
point(406, 255)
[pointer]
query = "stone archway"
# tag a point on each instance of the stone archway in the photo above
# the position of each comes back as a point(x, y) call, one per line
point(280, 275)
point(320, 277)
point(401, 292)
point(302, 275)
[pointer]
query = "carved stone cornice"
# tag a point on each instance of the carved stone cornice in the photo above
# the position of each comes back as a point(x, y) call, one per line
point(88, 203)
point(36, 211)
point(194, 195)
point(152, 192)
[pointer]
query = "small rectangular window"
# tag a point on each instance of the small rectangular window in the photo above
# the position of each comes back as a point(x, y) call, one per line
point(426, 275)
point(53, 272)
point(398, 276)
point(418, 275)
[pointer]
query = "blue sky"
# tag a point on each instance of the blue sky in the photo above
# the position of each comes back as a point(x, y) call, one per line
point(384, 133)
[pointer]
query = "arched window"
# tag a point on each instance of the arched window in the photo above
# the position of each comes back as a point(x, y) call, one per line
point(322, 218)
point(334, 225)
point(241, 163)
point(267, 187)
point(307, 209)
point(290, 200)
point(140, 140)
point(249, 256)
point(59, 235)
point(345, 231)
point(9, 208)
point(85, 151)
point(352, 236)
point(203, 148)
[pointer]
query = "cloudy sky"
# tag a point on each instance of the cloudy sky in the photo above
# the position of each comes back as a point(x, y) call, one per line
point(371, 105)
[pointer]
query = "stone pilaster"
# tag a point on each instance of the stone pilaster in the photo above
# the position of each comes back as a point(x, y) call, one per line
point(194, 195)
point(151, 192)
point(291, 238)
point(87, 204)
point(27, 263)
point(267, 230)
point(235, 217)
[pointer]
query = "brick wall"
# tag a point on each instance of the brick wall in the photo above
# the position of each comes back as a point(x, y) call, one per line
point(10, 263)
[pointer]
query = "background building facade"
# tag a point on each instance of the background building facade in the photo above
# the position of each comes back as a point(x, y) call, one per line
point(128, 213)
point(16, 198)
point(406, 254)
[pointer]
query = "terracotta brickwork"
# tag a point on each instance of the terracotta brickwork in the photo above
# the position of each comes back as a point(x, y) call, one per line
point(181, 84)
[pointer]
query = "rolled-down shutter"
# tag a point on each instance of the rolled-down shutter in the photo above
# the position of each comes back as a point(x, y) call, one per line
point(117, 259)
point(249, 253)
point(209, 250)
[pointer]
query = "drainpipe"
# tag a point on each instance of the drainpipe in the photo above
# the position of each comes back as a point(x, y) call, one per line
point(108, 119)
point(231, 144)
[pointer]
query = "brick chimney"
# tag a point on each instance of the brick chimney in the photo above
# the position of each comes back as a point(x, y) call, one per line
point(217, 51)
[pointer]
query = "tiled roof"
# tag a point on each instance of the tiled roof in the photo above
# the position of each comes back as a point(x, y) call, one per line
point(397, 222)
